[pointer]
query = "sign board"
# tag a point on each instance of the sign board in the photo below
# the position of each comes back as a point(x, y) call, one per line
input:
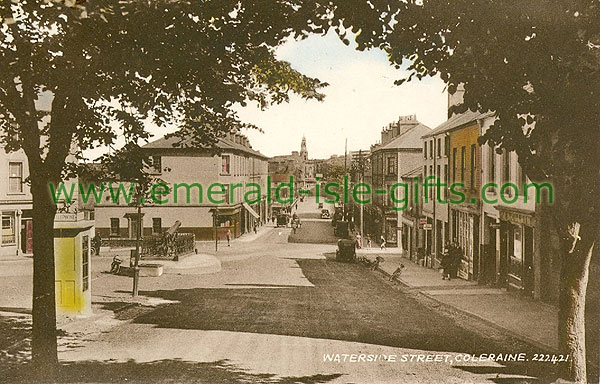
point(423, 220)
point(427, 227)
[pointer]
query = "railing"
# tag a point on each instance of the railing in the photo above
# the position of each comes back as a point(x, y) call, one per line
point(157, 246)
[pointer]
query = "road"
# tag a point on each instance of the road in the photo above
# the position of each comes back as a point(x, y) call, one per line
point(278, 312)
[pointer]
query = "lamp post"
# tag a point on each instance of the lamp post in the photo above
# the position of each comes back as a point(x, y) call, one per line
point(215, 220)
point(138, 235)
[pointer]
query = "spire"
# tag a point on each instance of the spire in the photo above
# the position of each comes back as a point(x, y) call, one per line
point(303, 150)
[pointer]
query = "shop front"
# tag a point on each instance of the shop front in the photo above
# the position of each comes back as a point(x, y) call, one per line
point(517, 249)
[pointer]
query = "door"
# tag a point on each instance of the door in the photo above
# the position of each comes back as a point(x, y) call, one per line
point(27, 236)
point(528, 275)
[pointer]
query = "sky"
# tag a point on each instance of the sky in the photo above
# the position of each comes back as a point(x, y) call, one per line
point(360, 100)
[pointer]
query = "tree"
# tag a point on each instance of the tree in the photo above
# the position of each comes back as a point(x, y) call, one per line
point(106, 69)
point(536, 66)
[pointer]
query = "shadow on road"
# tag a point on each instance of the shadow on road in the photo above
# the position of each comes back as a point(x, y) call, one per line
point(347, 303)
point(161, 371)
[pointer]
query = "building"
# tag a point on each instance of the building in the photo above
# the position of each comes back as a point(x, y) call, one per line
point(73, 231)
point(399, 152)
point(297, 165)
point(413, 228)
point(192, 173)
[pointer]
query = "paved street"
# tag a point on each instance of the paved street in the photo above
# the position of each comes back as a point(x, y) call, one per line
point(271, 315)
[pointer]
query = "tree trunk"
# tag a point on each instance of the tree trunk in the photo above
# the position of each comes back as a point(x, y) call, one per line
point(43, 344)
point(571, 315)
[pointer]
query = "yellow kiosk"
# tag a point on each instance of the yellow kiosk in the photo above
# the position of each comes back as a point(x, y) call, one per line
point(73, 233)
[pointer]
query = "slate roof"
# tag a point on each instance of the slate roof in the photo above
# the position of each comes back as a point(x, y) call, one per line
point(224, 144)
point(410, 139)
point(456, 121)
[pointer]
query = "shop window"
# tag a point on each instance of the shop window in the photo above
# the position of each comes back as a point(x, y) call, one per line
point(15, 177)
point(85, 262)
point(115, 229)
point(8, 229)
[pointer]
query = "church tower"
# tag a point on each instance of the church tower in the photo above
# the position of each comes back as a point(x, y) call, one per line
point(303, 151)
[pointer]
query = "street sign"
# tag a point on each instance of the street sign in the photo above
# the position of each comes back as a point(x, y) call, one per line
point(422, 220)
point(427, 227)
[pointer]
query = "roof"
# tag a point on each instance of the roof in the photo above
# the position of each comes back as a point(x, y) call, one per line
point(458, 120)
point(408, 140)
point(222, 143)
point(417, 172)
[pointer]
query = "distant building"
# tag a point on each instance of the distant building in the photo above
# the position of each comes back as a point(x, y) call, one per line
point(399, 152)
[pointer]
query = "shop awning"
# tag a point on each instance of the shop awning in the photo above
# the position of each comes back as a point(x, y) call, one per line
point(249, 209)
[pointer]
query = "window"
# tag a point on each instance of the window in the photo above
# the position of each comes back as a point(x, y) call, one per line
point(506, 171)
point(431, 187)
point(8, 228)
point(522, 180)
point(425, 149)
point(438, 180)
point(473, 166)
point(439, 147)
point(391, 165)
point(446, 145)
point(453, 165)
point(226, 164)
point(431, 149)
point(462, 164)
point(447, 179)
point(491, 166)
point(157, 164)
point(115, 229)
point(15, 177)
point(156, 225)
point(85, 262)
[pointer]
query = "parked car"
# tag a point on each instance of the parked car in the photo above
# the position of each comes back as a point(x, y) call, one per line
point(346, 250)
point(325, 214)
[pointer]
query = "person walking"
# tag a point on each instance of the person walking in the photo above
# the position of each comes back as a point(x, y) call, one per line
point(383, 242)
point(358, 241)
point(228, 238)
point(369, 241)
point(446, 265)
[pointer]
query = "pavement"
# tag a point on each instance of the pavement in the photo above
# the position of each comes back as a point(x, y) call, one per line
point(508, 310)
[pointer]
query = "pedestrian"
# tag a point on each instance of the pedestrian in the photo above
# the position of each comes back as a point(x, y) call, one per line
point(369, 241)
point(228, 237)
point(397, 272)
point(97, 243)
point(255, 225)
point(358, 241)
point(375, 265)
point(383, 242)
point(446, 265)
point(455, 259)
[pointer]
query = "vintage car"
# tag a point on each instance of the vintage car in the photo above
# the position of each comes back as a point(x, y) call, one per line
point(325, 214)
point(341, 229)
point(283, 220)
point(346, 250)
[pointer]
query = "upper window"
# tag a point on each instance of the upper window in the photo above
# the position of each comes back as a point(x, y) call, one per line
point(446, 145)
point(226, 164)
point(157, 164)
point(439, 147)
point(8, 228)
point(15, 177)
point(392, 165)
point(431, 149)
point(473, 166)
point(156, 225)
point(115, 229)
point(425, 149)
point(462, 164)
